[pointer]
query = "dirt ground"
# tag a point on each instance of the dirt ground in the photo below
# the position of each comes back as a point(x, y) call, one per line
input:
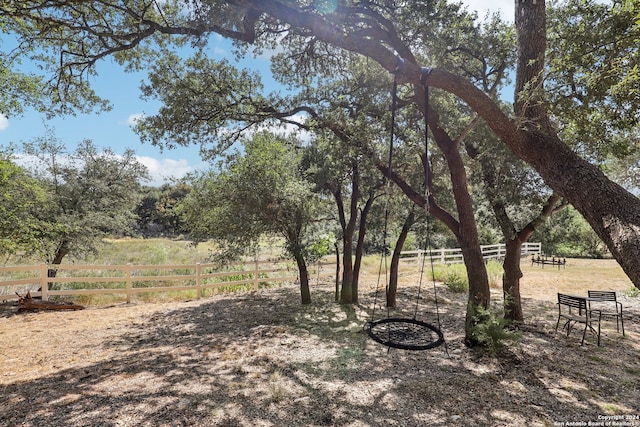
point(262, 359)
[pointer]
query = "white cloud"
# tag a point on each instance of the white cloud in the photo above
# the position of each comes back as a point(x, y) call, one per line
point(219, 51)
point(133, 118)
point(4, 122)
point(163, 170)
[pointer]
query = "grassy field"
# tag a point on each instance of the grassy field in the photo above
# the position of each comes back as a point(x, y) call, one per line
point(576, 278)
point(152, 252)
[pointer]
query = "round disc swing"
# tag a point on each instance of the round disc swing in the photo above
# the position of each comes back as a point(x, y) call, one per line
point(400, 332)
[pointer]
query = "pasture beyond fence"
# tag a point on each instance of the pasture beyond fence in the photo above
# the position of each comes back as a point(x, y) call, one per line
point(130, 280)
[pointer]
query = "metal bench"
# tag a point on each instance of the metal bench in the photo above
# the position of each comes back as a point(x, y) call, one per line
point(546, 261)
point(575, 310)
point(608, 304)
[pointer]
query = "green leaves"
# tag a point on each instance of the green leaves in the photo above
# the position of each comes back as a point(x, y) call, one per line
point(91, 194)
point(65, 39)
point(261, 192)
point(22, 201)
point(205, 102)
point(593, 80)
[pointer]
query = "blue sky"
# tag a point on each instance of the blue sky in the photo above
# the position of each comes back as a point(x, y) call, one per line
point(113, 128)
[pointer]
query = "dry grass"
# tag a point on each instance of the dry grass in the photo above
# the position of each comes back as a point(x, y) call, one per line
point(262, 359)
point(579, 274)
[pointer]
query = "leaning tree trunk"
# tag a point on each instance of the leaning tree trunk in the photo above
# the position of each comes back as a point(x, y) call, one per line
point(395, 260)
point(305, 292)
point(362, 229)
point(63, 250)
point(612, 212)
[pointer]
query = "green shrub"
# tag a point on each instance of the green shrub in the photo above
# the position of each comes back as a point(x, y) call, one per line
point(491, 330)
point(456, 283)
point(454, 276)
point(632, 292)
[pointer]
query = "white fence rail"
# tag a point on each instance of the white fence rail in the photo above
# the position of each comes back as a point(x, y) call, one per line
point(453, 256)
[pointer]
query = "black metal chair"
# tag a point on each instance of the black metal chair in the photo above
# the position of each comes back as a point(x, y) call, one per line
point(575, 310)
point(602, 300)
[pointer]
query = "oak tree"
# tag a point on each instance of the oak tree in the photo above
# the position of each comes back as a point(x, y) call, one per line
point(260, 192)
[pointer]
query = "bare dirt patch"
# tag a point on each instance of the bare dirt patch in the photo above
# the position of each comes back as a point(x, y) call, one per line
point(262, 359)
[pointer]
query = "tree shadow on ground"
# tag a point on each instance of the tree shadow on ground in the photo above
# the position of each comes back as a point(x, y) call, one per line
point(262, 359)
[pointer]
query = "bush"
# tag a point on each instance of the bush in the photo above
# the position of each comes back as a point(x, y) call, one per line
point(632, 292)
point(491, 330)
point(456, 283)
point(454, 277)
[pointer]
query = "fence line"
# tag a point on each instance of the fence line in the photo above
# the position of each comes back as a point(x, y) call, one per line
point(130, 280)
point(136, 279)
point(453, 256)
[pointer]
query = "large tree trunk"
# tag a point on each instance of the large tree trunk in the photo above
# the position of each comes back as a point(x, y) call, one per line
point(511, 281)
point(305, 292)
point(479, 293)
point(362, 229)
point(464, 228)
point(395, 260)
point(511, 263)
point(348, 230)
point(467, 231)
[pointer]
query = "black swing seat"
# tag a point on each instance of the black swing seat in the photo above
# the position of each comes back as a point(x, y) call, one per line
point(405, 333)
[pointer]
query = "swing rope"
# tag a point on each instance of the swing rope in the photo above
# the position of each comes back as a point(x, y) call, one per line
point(388, 183)
point(427, 195)
point(405, 333)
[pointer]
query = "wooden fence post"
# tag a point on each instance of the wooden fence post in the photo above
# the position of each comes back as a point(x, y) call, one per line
point(255, 276)
point(198, 280)
point(128, 284)
point(44, 282)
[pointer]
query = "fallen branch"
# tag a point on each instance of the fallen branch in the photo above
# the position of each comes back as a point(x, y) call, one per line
point(28, 303)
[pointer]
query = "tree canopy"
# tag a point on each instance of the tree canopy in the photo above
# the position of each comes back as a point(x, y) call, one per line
point(22, 203)
point(93, 195)
point(260, 193)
